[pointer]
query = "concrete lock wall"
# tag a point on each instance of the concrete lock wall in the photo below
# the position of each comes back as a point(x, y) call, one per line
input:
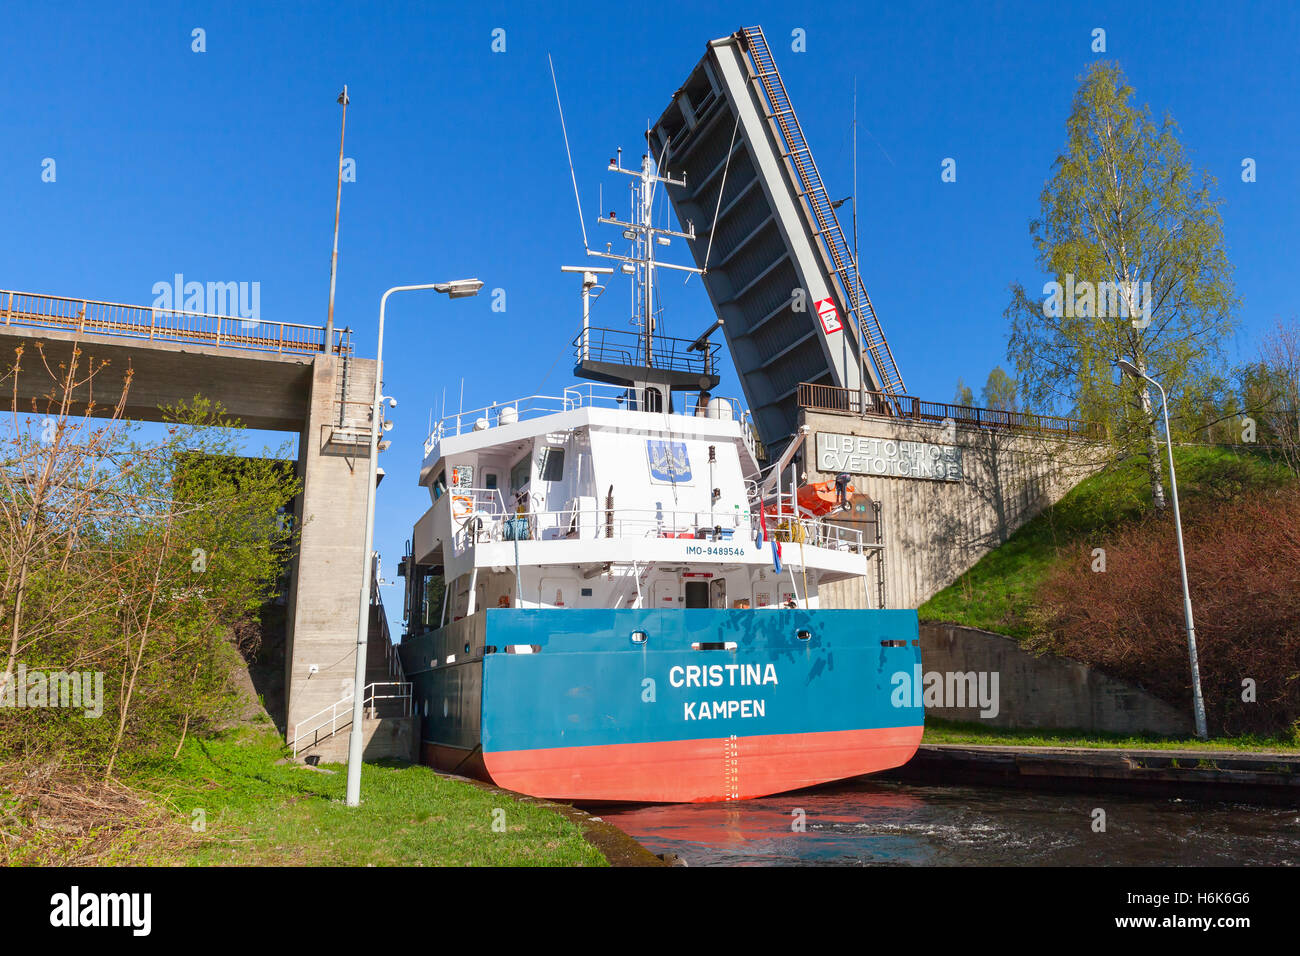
point(1048, 693)
point(935, 529)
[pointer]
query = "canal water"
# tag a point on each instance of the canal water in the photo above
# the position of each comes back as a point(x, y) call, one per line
point(896, 824)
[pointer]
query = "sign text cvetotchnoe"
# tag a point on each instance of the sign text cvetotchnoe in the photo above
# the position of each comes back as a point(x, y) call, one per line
point(858, 455)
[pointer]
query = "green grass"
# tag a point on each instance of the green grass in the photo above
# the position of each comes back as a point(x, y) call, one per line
point(1000, 591)
point(939, 731)
point(260, 813)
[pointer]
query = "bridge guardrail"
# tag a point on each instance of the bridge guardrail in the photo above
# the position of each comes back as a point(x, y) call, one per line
point(847, 401)
point(41, 311)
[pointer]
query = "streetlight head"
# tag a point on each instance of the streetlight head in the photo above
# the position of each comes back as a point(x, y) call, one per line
point(459, 288)
point(1129, 368)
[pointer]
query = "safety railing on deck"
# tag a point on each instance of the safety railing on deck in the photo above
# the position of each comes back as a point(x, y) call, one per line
point(627, 347)
point(586, 395)
point(36, 310)
point(848, 401)
point(480, 518)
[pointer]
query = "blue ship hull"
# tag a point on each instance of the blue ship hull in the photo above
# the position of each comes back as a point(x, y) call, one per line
point(710, 705)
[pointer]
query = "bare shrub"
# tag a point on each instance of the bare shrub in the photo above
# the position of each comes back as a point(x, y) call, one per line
point(1243, 563)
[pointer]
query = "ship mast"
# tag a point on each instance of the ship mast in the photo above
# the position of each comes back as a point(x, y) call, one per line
point(641, 264)
point(650, 364)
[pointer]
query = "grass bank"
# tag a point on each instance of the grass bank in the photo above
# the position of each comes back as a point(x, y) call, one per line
point(1001, 591)
point(939, 731)
point(228, 800)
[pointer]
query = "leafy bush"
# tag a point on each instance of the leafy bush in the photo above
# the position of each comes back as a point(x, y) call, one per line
point(137, 561)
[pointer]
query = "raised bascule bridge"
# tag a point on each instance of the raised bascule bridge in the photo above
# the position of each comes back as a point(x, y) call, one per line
point(278, 376)
point(950, 481)
point(778, 268)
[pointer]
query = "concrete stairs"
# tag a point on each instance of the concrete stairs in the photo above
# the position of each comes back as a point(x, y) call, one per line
point(389, 729)
point(395, 738)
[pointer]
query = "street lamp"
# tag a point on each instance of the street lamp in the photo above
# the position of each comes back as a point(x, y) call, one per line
point(459, 289)
point(1198, 702)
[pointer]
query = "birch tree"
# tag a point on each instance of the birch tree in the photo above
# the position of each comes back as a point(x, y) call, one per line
point(1131, 239)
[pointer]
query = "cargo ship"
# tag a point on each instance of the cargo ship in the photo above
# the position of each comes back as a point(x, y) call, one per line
point(613, 597)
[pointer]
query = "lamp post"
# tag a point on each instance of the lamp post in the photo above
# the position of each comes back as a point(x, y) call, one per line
point(455, 290)
point(1198, 702)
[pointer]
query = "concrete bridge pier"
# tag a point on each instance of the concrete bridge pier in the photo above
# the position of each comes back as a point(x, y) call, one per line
point(333, 446)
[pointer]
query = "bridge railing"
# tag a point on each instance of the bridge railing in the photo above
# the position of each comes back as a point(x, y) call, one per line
point(848, 401)
point(36, 310)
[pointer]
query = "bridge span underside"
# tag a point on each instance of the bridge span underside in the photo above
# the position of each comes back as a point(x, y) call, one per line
point(323, 398)
point(264, 391)
point(778, 267)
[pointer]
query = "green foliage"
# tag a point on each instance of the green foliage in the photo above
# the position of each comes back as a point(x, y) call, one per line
point(1123, 209)
point(1000, 593)
point(1000, 391)
point(963, 395)
point(152, 557)
point(261, 812)
point(938, 731)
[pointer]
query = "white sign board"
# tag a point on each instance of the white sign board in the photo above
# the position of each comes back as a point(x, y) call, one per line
point(857, 455)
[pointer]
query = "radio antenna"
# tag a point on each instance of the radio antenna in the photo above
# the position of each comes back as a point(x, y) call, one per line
point(567, 152)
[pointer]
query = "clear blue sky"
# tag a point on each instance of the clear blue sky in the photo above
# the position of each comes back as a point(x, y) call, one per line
point(221, 165)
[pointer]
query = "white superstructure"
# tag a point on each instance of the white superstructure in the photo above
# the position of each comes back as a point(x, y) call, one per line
point(640, 489)
point(577, 501)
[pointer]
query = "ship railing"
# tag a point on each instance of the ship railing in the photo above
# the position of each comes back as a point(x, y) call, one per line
point(483, 501)
point(337, 716)
point(478, 419)
point(604, 395)
point(783, 508)
point(627, 347)
point(587, 395)
point(496, 523)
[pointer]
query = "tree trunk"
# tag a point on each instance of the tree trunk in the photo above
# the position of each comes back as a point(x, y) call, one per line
point(1154, 470)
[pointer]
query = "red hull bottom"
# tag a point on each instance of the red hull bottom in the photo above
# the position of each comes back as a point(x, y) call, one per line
point(688, 771)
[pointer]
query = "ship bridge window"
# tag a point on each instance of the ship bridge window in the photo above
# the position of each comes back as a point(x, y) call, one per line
point(553, 464)
point(439, 485)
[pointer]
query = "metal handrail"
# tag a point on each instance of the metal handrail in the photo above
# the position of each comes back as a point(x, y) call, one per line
point(586, 395)
point(833, 398)
point(340, 712)
point(38, 310)
point(625, 347)
point(642, 523)
point(821, 213)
